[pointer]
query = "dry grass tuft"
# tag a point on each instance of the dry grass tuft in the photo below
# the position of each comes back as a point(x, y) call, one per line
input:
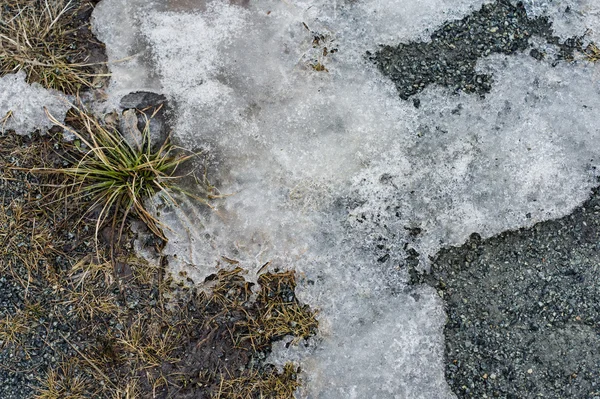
point(12, 327)
point(592, 52)
point(88, 289)
point(279, 313)
point(131, 390)
point(229, 289)
point(151, 341)
point(118, 176)
point(264, 385)
point(63, 383)
point(41, 37)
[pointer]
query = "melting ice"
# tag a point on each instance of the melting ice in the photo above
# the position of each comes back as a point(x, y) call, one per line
point(331, 174)
point(22, 105)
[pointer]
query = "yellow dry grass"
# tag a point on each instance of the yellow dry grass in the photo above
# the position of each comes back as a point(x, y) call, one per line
point(265, 385)
point(38, 37)
point(592, 52)
point(62, 383)
point(279, 313)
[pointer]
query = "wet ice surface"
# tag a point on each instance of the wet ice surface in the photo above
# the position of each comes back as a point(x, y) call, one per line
point(22, 105)
point(504, 162)
point(129, 59)
point(569, 17)
point(333, 175)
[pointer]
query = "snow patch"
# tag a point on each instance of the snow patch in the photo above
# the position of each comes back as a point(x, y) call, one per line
point(526, 153)
point(333, 175)
point(23, 105)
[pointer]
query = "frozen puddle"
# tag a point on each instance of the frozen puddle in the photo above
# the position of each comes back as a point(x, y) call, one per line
point(335, 176)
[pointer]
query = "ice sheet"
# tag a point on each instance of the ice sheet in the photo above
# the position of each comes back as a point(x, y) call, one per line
point(333, 175)
point(22, 105)
point(582, 16)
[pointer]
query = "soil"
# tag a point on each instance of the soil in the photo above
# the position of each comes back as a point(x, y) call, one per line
point(72, 323)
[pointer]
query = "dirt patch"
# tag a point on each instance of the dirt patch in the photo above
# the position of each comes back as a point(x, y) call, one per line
point(72, 325)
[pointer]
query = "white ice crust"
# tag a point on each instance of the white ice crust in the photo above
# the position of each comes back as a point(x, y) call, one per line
point(328, 171)
point(117, 25)
point(22, 105)
point(570, 17)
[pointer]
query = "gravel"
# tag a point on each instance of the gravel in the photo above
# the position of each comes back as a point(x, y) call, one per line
point(38, 346)
point(523, 307)
point(524, 310)
point(449, 59)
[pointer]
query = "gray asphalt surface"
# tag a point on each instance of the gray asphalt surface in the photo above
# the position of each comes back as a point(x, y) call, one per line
point(524, 310)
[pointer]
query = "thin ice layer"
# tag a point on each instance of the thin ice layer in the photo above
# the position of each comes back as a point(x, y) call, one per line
point(331, 174)
point(450, 56)
point(524, 154)
point(22, 105)
point(570, 17)
point(116, 23)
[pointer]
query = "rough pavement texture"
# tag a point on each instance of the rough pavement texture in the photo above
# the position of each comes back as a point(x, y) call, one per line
point(449, 59)
point(524, 310)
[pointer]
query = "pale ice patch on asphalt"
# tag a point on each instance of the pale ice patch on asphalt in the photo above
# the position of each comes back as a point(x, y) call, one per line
point(22, 105)
point(116, 23)
point(332, 174)
point(393, 21)
point(569, 17)
point(526, 153)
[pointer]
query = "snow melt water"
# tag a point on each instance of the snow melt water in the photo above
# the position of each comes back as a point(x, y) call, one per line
point(331, 173)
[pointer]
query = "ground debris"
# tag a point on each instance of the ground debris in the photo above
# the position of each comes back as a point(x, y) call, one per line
point(72, 327)
point(51, 41)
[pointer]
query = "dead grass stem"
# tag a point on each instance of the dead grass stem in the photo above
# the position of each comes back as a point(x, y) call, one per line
point(263, 385)
point(38, 37)
point(279, 313)
point(592, 52)
point(63, 382)
point(12, 327)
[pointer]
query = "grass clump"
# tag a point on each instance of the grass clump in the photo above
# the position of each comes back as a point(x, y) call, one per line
point(279, 313)
point(592, 52)
point(62, 383)
point(117, 175)
point(50, 41)
point(11, 328)
point(266, 385)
